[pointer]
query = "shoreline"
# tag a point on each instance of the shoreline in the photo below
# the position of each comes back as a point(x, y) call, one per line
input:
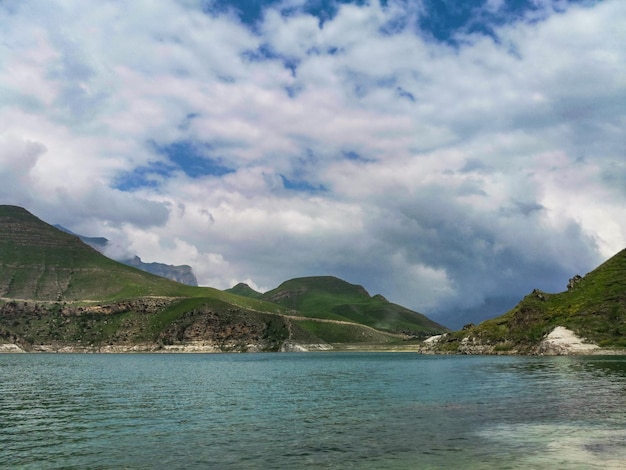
point(206, 348)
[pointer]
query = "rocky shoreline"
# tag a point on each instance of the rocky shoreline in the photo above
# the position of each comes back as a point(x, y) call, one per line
point(559, 342)
point(191, 347)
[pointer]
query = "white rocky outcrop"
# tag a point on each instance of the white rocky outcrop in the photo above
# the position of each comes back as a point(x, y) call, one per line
point(10, 348)
point(291, 346)
point(562, 341)
point(433, 339)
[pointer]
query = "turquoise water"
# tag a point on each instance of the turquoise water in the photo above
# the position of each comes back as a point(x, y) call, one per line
point(318, 410)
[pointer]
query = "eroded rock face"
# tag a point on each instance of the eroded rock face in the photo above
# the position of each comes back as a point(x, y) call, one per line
point(562, 342)
point(183, 273)
point(209, 326)
point(10, 348)
point(433, 339)
point(573, 281)
point(290, 346)
point(229, 330)
point(133, 325)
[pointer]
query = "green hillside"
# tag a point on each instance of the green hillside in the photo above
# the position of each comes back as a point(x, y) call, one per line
point(244, 290)
point(334, 299)
point(57, 292)
point(594, 307)
point(40, 262)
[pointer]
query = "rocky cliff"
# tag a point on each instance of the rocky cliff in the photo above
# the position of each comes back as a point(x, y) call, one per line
point(183, 273)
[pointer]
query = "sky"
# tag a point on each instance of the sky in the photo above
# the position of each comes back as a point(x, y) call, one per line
point(451, 156)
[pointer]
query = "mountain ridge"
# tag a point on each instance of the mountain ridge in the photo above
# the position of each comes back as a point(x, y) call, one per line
point(59, 294)
point(335, 299)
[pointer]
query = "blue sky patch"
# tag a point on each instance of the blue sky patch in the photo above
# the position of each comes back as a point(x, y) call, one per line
point(187, 156)
point(149, 176)
point(265, 52)
point(444, 19)
point(405, 94)
point(300, 185)
point(193, 159)
point(184, 125)
point(292, 91)
point(356, 157)
point(441, 20)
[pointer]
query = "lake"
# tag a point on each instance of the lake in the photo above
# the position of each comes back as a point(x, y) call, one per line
point(311, 410)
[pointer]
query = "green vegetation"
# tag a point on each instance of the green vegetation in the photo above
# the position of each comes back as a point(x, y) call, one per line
point(333, 299)
point(40, 262)
point(166, 322)
point(334, 333)
point(245, 291)
point(57, 291)
point(594, 307)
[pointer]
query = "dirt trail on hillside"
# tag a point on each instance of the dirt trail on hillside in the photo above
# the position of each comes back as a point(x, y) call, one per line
point(324, 320)
point(342, 322)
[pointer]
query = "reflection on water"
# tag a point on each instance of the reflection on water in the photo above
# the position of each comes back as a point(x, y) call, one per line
point(320, 410)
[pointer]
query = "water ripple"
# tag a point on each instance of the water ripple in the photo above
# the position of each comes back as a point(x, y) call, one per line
point(396, 411)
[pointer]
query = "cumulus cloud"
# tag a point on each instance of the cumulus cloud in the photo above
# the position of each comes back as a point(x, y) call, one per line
point(17, 158)
point(451, 170)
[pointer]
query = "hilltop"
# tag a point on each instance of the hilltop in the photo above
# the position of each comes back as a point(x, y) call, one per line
point(244, 290)
point(335, 299)
point(58, 293)
point(593, 308)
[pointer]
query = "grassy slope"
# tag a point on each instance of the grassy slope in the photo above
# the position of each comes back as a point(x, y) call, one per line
point(595, 308)
point(331, 298)
point(244, 290)
point(40, 263)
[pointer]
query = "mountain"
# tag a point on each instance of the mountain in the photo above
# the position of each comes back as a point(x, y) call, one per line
point(59, 294)
point(39, 262)
point(183, 273)
point(98, 243)
point(334, 299)
point(244, 290)
point(593, 308)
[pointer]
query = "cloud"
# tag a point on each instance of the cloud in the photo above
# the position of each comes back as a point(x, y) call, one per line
point(17, 158)
point(450, 160)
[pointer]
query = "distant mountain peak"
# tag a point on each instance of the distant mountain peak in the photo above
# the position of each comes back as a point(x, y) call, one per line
point(244, 290)
point(183, 273)
point(325, 283)
point(97, 243)
point(340, 300)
